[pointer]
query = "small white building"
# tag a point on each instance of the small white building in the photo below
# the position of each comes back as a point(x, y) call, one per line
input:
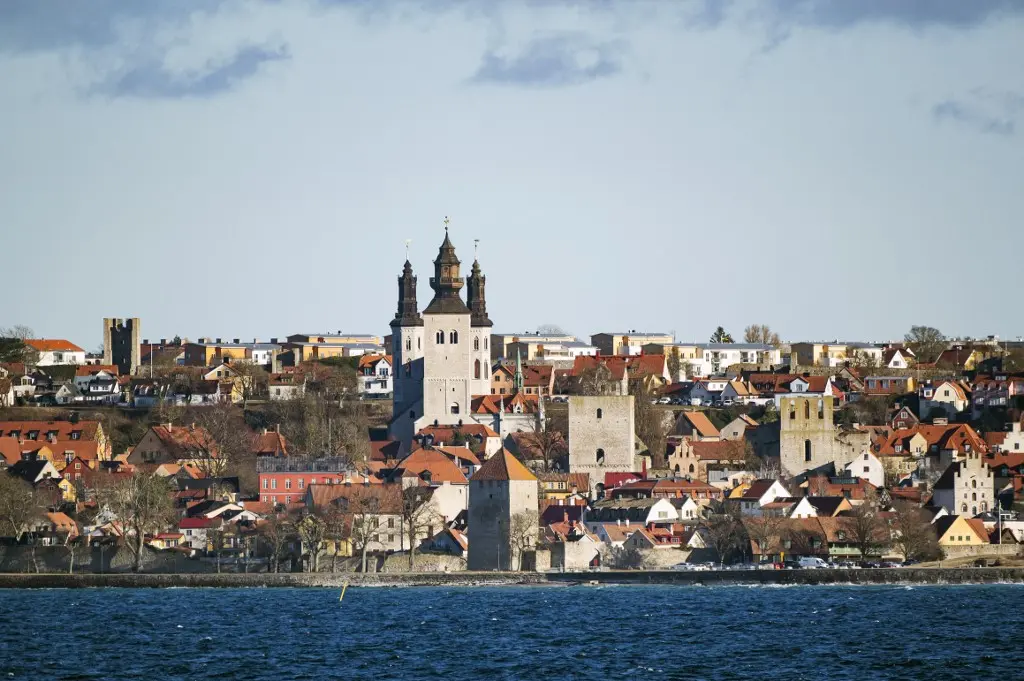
point(714, 358)
point(375, 376)
point(868, 467)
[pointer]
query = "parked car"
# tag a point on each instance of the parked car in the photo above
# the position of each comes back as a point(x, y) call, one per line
point(812, 563)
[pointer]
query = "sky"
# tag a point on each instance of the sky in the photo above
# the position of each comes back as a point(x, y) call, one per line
point(833, 168)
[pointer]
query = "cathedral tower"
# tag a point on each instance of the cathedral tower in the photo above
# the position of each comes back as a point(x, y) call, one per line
point(407, 345)
point(480, 329)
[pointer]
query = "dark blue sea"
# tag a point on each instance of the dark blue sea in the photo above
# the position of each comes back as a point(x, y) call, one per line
point(632, 632)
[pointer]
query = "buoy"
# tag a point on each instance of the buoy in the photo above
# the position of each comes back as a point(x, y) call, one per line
point(342, 596)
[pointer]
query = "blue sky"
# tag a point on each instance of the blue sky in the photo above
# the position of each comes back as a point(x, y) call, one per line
point(834, 168)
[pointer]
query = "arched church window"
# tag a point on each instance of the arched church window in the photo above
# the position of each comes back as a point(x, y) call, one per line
point(691, 467)
point(807, 450)
point(454, 409)
point(440, 337)
point(476, 369)
point(476, 345)
point(453, 337)
point(807, 409)
point(600, 413)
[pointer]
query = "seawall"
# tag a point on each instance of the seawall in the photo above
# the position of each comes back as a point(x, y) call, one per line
point(973, 575)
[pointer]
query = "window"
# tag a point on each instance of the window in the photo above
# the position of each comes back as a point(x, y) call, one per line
point(807, 410)
point(476, 345)
point(266, 483)
point(476, 366)
point(454, 409)
point(273, 484)
point(974, 484)
point(440, 337)
point(792, 410)
point(453, 337)
point(691, 468)
point(821, 410)
point(867, 469)
point(600, 413)
point(600, 457)
point(412, 414)
point(408, 369)
point(408, 343)
point(302, 483)
point(807, 450)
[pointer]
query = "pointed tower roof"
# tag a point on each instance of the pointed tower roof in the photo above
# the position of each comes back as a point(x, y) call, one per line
point(408, 313)
point(503, 466)
point(517, 378)
point(476, 296)
point(446, 281)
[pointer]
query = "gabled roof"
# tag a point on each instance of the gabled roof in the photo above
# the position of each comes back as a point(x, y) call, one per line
point(184, 442)
point(826, 506)
point(618, 365)
point(699, 421)
point(63, 430)
point(446, 434)
point(270, 443)
point(493, 404)
point(503, 466)
point(93, 369)
point(433, 463)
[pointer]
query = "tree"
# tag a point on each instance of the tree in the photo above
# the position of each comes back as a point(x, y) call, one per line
point(649, 420)
point(551, 330)
point(74, 545)
point(864, 360)
point(252, 380)
point(674, 364)
point(312, 532)
point(522, 536)
point(15, 350)
point(20, 507)
point(594, 381)
point(760, 334)
point(418, 517)
point(143, 504)
point(276, 531)
point(912, 533)
point(217, 541)
point(867, 530)
point(721, 336)
point(545, 441)
point(764, 532)
point(363, 508)
point(724, 532)
point(337, 530)
point(926, 342)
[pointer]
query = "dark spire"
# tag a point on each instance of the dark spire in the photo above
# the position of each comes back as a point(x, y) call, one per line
point(475, 294)
point(446, 281)
point(408, 314)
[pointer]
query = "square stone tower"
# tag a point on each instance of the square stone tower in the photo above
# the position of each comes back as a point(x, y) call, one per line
point(809, 438)
point(503, 513)
point(602, 434)
point(121, 343)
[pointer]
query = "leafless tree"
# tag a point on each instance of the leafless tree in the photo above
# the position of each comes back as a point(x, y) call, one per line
point(650, 421)
point(419, 517)
point(312, 532)
point(765, 532)
point(761, 334)
point(545, 441)
point(276, 531)
point(926, 342)
point(20, 507)
point(912, 533)
point(337, 530)
point(724, 533)
point(522, 536)
point(74, 545)
point(143, 504)
point(595, 381)
point(251, 379)
point(868, 531)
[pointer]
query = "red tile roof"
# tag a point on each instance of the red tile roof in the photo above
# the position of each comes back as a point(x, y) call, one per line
point(430, 461)
point(700, 423)
point(52, 344)
point(618, 365)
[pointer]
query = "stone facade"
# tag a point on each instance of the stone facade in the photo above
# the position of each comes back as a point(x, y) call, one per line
point(808, 437)
point(492, 505)
point(966, 487)
point(601, 436)
point(121, 343)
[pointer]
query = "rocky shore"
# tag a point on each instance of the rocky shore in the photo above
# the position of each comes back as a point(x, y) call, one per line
point(972, 575)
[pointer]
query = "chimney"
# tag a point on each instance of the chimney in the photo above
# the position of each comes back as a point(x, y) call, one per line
point(643, 463)
point(618, 521)
point(273, 340)
point(264, 431)
point(145, 341)
point(163, 341)
point(218, 341)
point(277, 428)
point(235, 341)
point(169, 426)
point(627, 522)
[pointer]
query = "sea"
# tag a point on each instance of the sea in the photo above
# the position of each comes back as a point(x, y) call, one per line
point(528, 632)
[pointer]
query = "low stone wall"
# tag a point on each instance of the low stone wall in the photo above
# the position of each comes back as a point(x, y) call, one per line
point(462, 579)
point(982, 551)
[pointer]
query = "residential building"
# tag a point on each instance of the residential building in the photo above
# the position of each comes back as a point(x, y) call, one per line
point(959, 530)
point(888, 385)
point(628, 342)
point(167, 443)
point(715, 358)
point(285, 480)
point(56, 351)
point(375, 376)
point(868, 467)
point(286, 386)
point(834, 354)
point(530, 343)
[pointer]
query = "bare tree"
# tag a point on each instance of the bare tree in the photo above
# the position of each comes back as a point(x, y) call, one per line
point(627, 558)
point(217, 539)
point(143, 504)
point(336, 530)
point(651, 422)
point(545, 441)
point(419, 517)
point(276, 531)
point(252, 380)
point(765, 532)
point(868, 531)
point(595, 381)
point(20, 507)
point(312, 532)
point(912, 533)
point(926, 342)
point(522, 536)
point(551, 330)
point(761, 334)
point(74, 545)
point(724, 533)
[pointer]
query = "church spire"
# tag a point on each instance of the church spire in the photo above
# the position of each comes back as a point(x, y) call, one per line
point(517, 378)
point(446, 281)
point(475, 292)
point(408, 313)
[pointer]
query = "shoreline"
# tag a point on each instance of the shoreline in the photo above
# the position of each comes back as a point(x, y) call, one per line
point(897, 576)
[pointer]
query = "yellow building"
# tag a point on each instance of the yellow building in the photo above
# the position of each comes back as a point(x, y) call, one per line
point(957, 530)
point(311, 347)
point(205, 353)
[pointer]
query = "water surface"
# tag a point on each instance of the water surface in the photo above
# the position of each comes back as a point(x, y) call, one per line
point(452, 633)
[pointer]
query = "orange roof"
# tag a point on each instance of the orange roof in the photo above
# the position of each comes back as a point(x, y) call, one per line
point(371, 360)
point(618, 365)
point(503, 466)
point(445, 434)
point(186, 441)
point(978, 526)
point(701, 423)
point(493, 404)
point(62, 430)
point(270, 443)
point(436, 464)
point(10, 450)
point(52, 344)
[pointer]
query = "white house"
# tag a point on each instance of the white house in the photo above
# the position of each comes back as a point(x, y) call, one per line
point(897, 358)
point(286, 386)
point(948, 396)
point(715, 358)
point(56, 351)
point(868, 467)
point(641, 512)
point(708, 389)
point(568, 350)
point(759, 493)
point(375, 376)
point(23, 386)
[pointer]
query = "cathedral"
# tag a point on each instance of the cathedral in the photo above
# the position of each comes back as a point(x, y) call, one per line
point(442, 355)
